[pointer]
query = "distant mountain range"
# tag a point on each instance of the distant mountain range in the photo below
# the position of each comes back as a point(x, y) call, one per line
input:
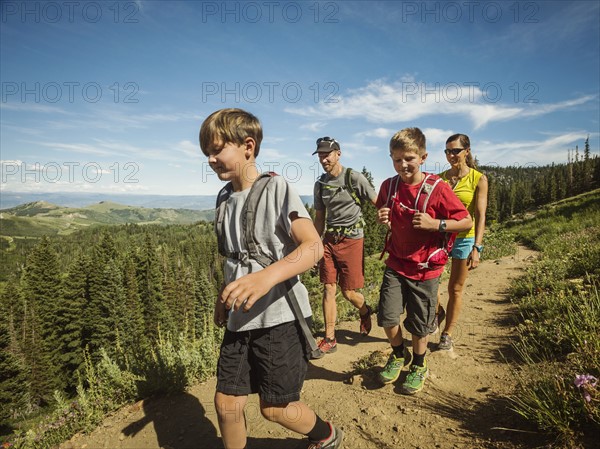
point(42, 218)
point(193, 202)
point(37, 214)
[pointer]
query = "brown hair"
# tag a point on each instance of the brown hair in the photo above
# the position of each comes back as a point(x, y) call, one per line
point(409, 139)
point(466, 143)
point(230, 125)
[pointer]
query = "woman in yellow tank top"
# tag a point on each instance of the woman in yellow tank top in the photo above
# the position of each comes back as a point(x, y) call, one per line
point(471, 187)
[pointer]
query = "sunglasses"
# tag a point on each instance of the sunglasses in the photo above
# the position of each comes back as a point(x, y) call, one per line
point(454, 151)
point(326, 139)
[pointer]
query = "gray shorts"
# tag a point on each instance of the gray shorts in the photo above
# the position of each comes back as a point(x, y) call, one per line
point(418, 297)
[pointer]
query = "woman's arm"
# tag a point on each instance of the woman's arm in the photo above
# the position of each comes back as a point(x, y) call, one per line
point(481, 200)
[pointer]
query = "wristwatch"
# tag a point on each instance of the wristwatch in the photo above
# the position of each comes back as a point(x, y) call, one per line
point(442, 226)
point(479, 248)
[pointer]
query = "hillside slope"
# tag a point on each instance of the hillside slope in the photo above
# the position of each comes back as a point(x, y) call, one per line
point(462, 405)
point(42, 218)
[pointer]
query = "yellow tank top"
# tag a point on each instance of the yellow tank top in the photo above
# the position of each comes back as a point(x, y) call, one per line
point(465, 191)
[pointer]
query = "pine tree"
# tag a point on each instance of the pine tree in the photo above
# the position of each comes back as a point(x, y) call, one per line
point(113, 300)
point(134, 338)
point(150, 285)
point(374, 231)
point(70, 319)
point(97, 330)
point(491, 212)
point(206, 295)
point(41, 289)
point(13, 380)
point(588, 167)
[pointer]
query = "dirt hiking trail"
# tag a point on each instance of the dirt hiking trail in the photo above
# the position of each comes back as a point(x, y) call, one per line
point(461, 406)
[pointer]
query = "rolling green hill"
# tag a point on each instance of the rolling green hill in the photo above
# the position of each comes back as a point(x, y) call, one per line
point(42, 218)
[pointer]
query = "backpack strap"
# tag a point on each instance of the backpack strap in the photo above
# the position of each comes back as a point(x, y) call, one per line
point(429, 184)
point(391, 193)
point(221, 203)
point(249, 219)
point(350, 187)
point(315, 352)
point(254, 251)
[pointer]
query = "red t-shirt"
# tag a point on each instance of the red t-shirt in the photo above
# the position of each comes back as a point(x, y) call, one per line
point(408, 246)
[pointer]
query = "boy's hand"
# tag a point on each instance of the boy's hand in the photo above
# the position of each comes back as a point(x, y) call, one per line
point(383, 215)
point(220, 316)
point(245, 291)
point(422, 220)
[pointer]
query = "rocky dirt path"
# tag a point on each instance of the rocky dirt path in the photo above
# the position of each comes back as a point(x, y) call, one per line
point(461, 406)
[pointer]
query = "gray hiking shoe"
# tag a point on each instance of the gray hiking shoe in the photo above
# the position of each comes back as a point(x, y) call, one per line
point(446, 343)
point(334, 441)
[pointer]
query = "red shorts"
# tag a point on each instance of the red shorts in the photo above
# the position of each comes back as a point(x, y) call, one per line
point(342, 262)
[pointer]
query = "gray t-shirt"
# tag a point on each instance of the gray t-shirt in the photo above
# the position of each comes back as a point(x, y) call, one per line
point(331, 194)
point(273, 228)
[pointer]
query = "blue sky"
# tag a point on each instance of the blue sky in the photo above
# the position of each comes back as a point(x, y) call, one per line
point(109, 96)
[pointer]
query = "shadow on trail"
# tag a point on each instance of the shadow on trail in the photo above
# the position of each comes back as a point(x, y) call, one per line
point(180, 422)
point(352, 338)
point(344, 338)
point(475, 416)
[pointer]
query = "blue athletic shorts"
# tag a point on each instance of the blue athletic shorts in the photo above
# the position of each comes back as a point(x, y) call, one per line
point(462, 248)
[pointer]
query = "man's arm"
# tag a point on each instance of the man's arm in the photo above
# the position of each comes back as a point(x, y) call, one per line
point(365, 190)
point(320, 221)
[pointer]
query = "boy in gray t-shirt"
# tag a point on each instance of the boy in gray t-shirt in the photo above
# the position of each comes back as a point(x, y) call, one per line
point(264, 350)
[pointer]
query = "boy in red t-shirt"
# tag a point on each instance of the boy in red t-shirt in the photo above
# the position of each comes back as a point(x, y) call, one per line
point(419, 212)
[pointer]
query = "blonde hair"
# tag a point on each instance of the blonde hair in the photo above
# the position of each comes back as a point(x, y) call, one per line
point(230, 125)
point(409, 139)
point(466, 143)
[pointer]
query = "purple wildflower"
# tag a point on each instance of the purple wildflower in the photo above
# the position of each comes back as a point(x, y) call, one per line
point(585, 382)
point(582, 380)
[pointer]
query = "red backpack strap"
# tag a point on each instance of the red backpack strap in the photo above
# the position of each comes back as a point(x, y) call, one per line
point(429, 184)
point(391, 192)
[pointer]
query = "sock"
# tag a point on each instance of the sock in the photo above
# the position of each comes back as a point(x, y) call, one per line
point(418, 359)
point(398, 350)
point(321, 431)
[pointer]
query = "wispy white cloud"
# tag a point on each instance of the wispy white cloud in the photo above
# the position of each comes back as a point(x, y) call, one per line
point(380, 133)
point(529, 152)
point(401, 101)
point(78, 148)
point(190, 149)
point(38, 108)
point(314, 126)
point(436, 138)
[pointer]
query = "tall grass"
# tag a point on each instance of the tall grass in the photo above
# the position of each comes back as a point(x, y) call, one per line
point(559, 330)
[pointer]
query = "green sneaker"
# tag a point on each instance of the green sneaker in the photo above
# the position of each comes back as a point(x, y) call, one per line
point(391, 370)
point(415, 380)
